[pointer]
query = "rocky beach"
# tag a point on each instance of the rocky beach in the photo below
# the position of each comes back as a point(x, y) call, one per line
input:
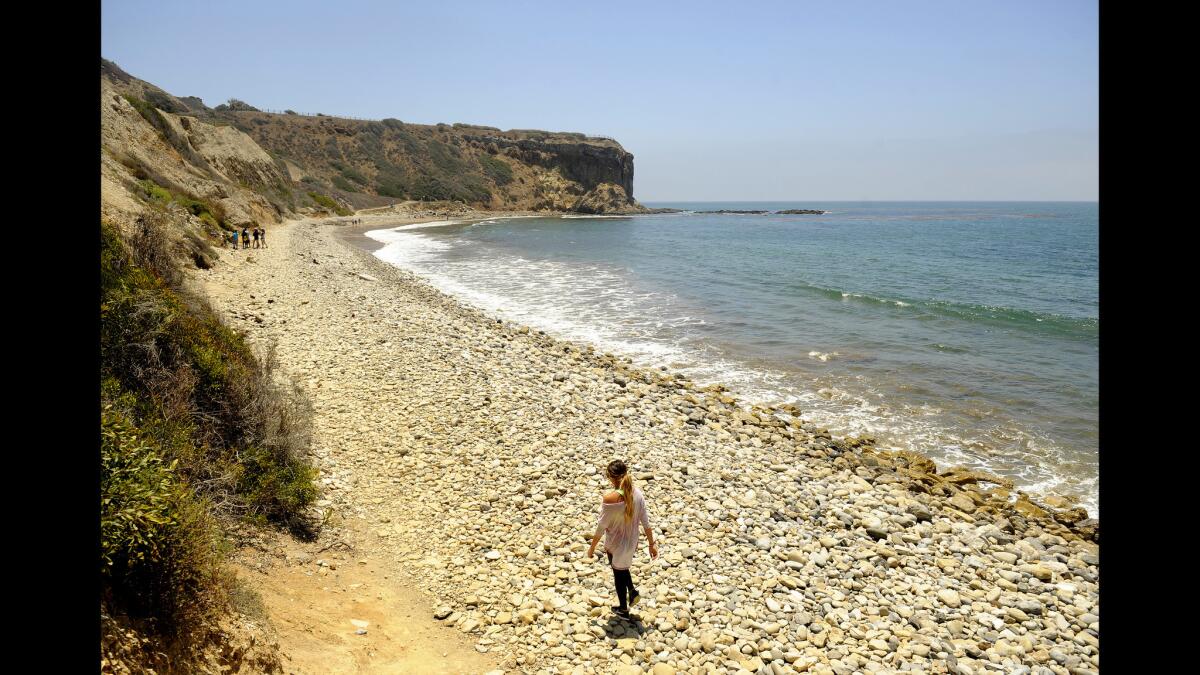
point(466, 454)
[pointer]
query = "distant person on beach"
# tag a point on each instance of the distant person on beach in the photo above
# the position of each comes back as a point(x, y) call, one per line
point(621, 511)
point(263, 234)
point(245, 238)
point(257, 237)
point(234, 237)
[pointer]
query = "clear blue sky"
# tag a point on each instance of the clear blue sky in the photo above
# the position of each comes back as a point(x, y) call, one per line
point(717, 100)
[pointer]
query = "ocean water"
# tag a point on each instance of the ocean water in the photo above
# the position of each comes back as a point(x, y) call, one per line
point(965, 331)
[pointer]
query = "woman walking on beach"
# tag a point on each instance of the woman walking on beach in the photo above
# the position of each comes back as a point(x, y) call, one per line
point(621, 512)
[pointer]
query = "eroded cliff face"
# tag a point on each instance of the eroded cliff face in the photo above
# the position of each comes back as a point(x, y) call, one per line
point(588, 164)
point(218, 165)
point(517, 169)
point(260, 167)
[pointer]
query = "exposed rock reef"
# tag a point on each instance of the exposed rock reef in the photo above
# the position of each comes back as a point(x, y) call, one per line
point(470, 451)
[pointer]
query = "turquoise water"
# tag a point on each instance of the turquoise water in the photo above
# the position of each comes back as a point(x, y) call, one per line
point(966, 331)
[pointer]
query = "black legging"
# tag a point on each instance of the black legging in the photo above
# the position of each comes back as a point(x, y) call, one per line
point(624, 584)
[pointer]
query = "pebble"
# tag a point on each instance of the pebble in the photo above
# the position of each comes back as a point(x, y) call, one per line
point(781, 552)
point(949, 598)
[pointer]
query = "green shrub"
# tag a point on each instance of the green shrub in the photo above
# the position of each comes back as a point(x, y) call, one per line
point(137, 494)
point(199, 391)
point(154, 192)
point(147, 111)
point(348, 173)
point(163, 101)
point(355, 175)
point(211, 214)
point(445, 157)
point(159, 547)
point(328, 203)
point(236, 104)
point(391, 190)
point(496, 169)
point(275, 485)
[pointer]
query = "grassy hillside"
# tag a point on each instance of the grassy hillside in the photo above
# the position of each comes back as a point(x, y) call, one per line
point(196, 434)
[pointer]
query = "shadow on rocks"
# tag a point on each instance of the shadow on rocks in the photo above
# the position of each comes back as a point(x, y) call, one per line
point(617, 628)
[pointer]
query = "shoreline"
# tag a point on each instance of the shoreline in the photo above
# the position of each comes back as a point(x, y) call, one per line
point(355, 235)
point(466, 449)
point(1047, 499)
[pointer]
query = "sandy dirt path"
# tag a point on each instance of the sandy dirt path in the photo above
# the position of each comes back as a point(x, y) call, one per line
point(319, 595)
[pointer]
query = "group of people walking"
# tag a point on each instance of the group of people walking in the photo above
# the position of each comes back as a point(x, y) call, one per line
point(256, 238)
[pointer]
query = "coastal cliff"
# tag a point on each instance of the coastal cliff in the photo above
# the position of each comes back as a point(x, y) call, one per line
point(261, 166)
point(375, 163)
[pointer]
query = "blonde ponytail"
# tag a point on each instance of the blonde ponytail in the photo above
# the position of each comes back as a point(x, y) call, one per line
point(620, 473)
point(627, 488)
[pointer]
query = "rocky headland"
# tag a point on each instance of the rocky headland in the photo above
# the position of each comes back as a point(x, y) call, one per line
point(468, 453)
point(260, 166)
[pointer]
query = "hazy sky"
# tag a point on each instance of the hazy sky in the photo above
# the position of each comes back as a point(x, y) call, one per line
point(833, 100)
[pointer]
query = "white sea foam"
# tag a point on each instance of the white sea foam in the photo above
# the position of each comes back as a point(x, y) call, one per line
point(600, 305)
point(573, 216)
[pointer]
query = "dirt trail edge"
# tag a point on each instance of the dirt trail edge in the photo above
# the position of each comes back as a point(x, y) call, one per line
point(342, 604)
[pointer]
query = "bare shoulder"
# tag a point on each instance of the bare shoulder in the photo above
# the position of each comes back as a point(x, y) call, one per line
point(613, 498)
